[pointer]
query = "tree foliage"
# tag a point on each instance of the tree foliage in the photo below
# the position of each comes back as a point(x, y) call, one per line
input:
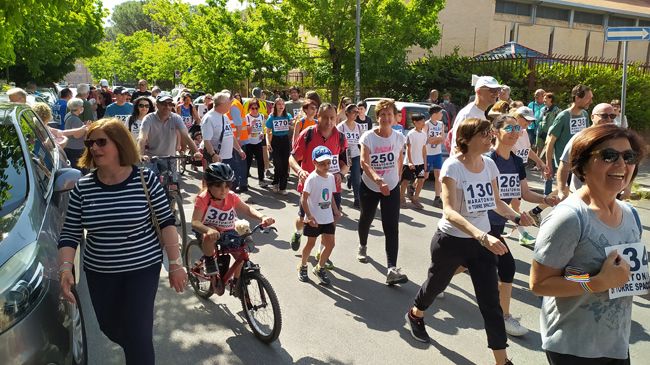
point(129, 17)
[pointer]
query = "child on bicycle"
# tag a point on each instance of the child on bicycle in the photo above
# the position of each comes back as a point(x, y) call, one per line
point(320, 213)
point(214, 213)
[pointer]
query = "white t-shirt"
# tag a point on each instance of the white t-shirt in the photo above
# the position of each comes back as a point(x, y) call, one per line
point(352, 136)
point(417, 140)
point(257, 134)
point(202, 110)
point(469, 111)
point(433, 130)
point(474, 194)
point(522, 146)
point(135, 130)
point(211, 126)
point(320, 190)
point(566, 155)
point(384, 156)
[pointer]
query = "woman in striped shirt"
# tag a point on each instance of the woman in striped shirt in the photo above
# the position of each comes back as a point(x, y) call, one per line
point(122, 255)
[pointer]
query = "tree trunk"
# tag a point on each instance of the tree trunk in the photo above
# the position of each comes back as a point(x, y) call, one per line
point(336, 75)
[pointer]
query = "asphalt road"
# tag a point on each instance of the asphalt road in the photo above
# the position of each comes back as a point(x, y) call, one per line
point(357, 319)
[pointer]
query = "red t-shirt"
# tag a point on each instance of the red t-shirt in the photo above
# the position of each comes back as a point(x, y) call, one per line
point(223, 218)
point(304, 152)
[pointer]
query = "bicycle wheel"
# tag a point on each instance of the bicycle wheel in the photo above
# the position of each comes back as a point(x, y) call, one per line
point(192, 256)
point(261, 307)
point(176, 206)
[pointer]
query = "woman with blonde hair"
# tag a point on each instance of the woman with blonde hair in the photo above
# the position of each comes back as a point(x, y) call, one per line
point(343, 103)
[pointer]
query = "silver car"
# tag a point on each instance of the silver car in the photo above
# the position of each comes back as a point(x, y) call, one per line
point(37, 325)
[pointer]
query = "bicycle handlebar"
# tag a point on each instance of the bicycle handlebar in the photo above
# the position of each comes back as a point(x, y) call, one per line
point(157, 158)
point(261, 226)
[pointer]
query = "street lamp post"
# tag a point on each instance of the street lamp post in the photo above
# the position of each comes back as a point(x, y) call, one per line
point(357, 60)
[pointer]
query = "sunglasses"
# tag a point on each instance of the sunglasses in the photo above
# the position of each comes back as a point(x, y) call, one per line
point(510, 128)
point(143, 105)
point(493, 91)
point(167, 104)
point(142, 85)
point(253, 108)
point(101, 142)
point(610, 155)
point(607, 116)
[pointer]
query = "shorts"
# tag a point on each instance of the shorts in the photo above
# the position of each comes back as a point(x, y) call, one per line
point(337, 200)
point(310, 231)
point(410, 175)
point(434, 162)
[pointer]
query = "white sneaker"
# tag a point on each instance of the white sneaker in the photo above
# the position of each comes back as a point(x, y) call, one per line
point(441, 295)
point(283, 192)
point(513, 327)
point(263, 184)
point(276, 188)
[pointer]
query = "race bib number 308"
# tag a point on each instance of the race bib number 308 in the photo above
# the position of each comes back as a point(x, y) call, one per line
point(220, 218)
point(577, 124)
point(636, 255)
point(479, 196)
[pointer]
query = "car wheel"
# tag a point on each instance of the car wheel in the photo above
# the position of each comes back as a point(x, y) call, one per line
point(79, 346)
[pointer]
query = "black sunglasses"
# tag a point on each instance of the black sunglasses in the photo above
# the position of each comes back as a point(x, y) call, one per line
point(611, 155)
point(605, 116)
point(143, 105)
point(101, 142)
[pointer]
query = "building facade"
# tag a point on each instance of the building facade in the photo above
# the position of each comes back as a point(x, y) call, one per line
point(81, 75)
point(562, 27)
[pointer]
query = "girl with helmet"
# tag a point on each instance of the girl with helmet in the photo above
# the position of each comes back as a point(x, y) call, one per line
point(214, 212)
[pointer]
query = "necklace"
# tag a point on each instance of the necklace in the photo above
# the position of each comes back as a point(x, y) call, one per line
point(118, 174)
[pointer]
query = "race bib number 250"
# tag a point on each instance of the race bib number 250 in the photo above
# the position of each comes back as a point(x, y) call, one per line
point(383, 161)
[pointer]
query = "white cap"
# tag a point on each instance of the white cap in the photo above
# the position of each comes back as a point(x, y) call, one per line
point(526, 112)
point(103, 82)
point(487, 81)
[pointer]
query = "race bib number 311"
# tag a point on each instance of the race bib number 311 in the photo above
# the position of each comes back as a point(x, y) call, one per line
point(639, 283)
point(578, 124)
point(479, 196)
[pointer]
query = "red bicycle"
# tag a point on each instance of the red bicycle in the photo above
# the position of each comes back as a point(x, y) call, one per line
point(259, 301)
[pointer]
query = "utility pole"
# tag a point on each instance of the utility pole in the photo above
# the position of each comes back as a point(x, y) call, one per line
point(357, 60)
point(153, 49)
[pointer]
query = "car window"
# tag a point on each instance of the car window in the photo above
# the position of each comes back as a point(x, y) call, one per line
point(41, 148)
point(409, 116)
point(14, 183)
point(371, 113)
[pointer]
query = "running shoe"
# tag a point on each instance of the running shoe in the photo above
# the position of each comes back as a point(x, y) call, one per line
point(416, 203)
point(361, 254)
point(210, 266)
point(441, 295)
point(269, 174)
point(513, 327)
point(295, 240)
point(537, 218)
point(322, 275)
point(283, 193)
point(328, 264)
point(416, 326)
point(526, 239)
point(276, 188)
point(437, 203)
point(395, 277)
point(302, 273)
point(402, 204)
point(263, 184)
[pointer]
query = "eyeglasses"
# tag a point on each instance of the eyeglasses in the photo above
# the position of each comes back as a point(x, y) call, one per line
point(253, 108)
point(101, 142)
point(606, 116)
point(610, 155)
point(167, 104)
point(486, 133)
point(510, 128)
point(142, 84)
point(493, 91)
point(143, 105)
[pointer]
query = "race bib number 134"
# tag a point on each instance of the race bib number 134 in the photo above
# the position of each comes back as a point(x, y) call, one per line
point(636, 255)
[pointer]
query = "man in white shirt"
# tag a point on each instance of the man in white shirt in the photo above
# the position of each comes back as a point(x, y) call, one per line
point(487, 91)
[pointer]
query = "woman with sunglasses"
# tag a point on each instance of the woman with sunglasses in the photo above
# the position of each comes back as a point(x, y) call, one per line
point(142, 107)
point(353, 133)
point(469, 190)
point(574, 263)
point(207, 105)
point(122, 256)
point(256, 141)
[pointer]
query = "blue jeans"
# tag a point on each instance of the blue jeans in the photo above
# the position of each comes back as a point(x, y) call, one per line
point(355, 175)
point(233, 165)
point(241, 170)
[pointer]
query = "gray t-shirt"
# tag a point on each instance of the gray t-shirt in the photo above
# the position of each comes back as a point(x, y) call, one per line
point(161, 135)
point(589, 325)
point(293, 108)
point(72, 121)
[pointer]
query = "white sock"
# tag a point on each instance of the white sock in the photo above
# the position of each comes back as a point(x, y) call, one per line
point(521, 231)
point(321, 248)
point(392, 268)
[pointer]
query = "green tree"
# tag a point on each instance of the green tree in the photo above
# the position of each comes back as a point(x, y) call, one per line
point(129, 17)
point(388, 29)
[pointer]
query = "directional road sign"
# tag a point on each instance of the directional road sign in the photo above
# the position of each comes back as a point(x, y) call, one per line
point(177, 73)
point(620, 34)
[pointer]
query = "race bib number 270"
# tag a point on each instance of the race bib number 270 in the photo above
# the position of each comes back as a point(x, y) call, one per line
point(636, 255)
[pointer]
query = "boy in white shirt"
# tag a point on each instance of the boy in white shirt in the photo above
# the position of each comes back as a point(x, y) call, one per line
point(414, 161)
point(321, 212)
point(434, 129)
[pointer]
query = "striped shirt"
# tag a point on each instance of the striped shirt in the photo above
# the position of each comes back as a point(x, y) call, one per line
point(120, 234)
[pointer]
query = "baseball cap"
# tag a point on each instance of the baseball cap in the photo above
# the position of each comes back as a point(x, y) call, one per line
point(486, 81)
point(321, 153)
point(163, 98)
point(119, 90)
point(103, 82)
point(526, 112)
point(257, 92)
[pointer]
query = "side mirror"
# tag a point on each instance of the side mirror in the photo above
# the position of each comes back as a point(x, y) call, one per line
point(65, 179)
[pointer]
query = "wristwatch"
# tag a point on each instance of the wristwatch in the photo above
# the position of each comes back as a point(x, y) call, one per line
point(178, 261)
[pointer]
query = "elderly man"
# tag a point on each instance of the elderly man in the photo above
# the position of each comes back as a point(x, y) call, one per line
point(17, 95)
point(536, 106)
point(103, 85)
point(155, 92)
point(120, 109)
point(433, 97)
point(142, 90)
point(75, 147)
point(82, 93)
point(504, 94)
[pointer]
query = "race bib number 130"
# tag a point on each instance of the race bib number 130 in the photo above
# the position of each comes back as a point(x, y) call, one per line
point(479, 196)
point(636, 255)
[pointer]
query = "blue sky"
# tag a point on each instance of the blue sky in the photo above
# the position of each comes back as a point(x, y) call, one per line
point(110, 4)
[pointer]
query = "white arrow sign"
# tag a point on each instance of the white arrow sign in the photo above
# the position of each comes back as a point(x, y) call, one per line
point(619, 34)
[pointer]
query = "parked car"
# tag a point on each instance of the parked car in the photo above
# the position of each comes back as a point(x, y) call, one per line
point(31, 98)
point(49, 95)
point(37, 325)
point(176, 93)
point(406, 109)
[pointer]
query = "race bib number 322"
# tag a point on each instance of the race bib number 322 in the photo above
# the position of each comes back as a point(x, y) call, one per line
point(636, 255)
point(479, 196)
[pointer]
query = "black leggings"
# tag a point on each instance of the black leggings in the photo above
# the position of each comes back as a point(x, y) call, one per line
point(368, 201)
point(555, 358)
point(281, 150)
point(123, 304)
point(506, 262)
point(447, 254)
point(257, 151)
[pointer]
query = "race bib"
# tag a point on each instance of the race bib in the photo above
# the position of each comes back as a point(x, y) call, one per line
point(639, 283)
point(220, 219)
point(124, 119)
point(281, 125)
point(334, 166)
point(509, 186)
point(432, 134)
point(578, 124)
point(363, 127)
point(296, 112)
point(383, 162)
point(523, 153)
point(258, 127)
point(352, 137)
point(479, 196)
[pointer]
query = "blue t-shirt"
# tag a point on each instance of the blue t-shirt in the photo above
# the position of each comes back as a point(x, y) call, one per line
point(279, 126)
point(537, 109)
point(120, 112)
point(58, 113)
point(513, 165)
